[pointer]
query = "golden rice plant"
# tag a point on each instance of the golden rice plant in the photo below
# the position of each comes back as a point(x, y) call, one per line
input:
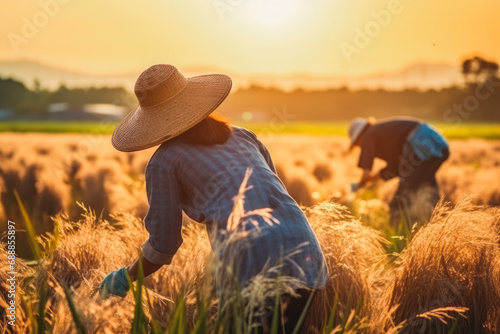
point(356, 262)
point(453, 261)
point(79, 254)
point(55, 171)
point(21, 321)
point(447, 279)
point(85, 250)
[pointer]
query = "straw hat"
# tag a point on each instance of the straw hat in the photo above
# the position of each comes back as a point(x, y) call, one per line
point(169, 104)
point(356, 128)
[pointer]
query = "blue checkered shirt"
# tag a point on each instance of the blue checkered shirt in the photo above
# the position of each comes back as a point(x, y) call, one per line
point(203, 180)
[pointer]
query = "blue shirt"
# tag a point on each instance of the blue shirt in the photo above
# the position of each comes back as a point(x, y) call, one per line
point(202, 181)
point(427, 142)
point(388, 139)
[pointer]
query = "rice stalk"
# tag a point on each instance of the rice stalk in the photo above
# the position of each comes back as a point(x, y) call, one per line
point(452, 262)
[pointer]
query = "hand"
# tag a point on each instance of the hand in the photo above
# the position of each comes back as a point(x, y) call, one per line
point(115, 283)
point(355, 186)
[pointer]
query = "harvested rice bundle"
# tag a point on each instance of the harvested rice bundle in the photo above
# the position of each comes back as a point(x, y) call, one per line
point(452, 262)
point(355, 257)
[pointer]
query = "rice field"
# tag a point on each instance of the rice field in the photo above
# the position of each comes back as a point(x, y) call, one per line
point(85, 201)
point(336, 128)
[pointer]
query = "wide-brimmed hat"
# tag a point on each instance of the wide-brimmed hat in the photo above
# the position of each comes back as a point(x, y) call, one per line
point(169, 104)
point(356, 128)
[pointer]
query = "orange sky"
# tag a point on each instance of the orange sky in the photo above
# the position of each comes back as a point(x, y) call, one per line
point(247, 36)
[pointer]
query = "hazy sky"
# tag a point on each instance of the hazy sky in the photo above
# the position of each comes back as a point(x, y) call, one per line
point(248, 36)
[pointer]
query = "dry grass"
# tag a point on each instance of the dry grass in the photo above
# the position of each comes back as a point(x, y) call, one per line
point(453, 261)
point(451, 264)
point(448, 273)
point(20, 316)
point(52, 172)
point(435, 272)
point(356, 261)
point(473, 168)
point(83, 252)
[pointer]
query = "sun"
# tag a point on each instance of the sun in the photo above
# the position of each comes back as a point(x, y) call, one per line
point(273, 12)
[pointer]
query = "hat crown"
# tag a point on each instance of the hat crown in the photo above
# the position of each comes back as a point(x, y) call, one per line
point(356, 128)
point(158, 84)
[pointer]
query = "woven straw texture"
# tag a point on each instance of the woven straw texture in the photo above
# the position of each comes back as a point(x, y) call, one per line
point(169, 104)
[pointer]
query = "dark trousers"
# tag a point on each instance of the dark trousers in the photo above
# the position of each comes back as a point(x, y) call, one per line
point(418, 190)
point(289, 310)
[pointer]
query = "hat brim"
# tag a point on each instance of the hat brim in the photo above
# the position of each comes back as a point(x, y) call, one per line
point(143, 128)
point(357, 136)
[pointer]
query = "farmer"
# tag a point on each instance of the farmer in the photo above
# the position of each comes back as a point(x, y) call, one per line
point(413, 151)
point(198, 169)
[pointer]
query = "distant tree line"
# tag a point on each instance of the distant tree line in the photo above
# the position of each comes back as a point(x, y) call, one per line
point(477, 70)
point(478, 100)
point(35, 102)
point(452, 105)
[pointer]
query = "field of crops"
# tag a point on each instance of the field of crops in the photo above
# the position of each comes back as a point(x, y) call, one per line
point(450, 130)
point(85, 202)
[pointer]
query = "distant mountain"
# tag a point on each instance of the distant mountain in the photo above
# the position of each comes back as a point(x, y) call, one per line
point(421, 76)
point(52, 77)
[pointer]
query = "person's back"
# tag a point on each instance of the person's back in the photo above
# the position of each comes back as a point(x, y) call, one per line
point(200, 169)
point(413, 151)
point(203, 180)
point(210, 176)
point(385, 140)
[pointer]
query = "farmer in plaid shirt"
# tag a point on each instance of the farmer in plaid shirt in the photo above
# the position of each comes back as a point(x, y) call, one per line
point(198, 169)
point(413, 151)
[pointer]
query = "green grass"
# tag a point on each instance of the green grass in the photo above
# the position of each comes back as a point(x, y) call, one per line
point(58, 127)
point(473, 130)
point(309, 128)
point(451, 131)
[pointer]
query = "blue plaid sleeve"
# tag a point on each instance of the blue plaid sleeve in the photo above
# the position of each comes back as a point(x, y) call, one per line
point(164, 218)
point(263, 150)
point(265, 153)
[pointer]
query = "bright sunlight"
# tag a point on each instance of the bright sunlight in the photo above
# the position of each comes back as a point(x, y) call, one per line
point(274, 12)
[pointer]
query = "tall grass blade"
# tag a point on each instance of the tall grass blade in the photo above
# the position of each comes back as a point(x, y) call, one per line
point(80, 327)
point(179, 322)
point(42, 302)
point(35, 248)
point(331, 318)
point(56, 236)
point(297, 328)
point(140, 323)
point(276, 314)
point(201, 325)
point(236, 318)
point(454, 327)
point(155, 325)
point(28, 310)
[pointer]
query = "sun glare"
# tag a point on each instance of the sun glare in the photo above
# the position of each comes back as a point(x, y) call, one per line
point(274, 12)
